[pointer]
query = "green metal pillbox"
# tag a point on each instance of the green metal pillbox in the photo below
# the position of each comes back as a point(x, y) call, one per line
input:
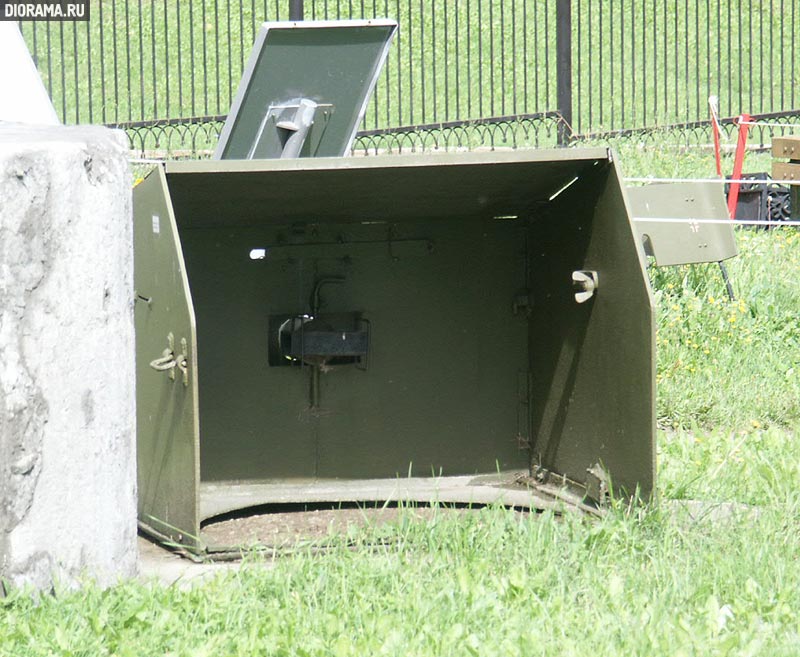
point(459, 327)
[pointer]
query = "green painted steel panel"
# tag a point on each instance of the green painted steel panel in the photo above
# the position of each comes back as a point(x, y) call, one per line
point(687, 242)
point(592, 364)
point(333, 63)
point(167, 410)
point(440, 391)
point(348, 190)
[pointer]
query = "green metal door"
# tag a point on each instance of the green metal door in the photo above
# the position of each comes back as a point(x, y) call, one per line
point(166, 369)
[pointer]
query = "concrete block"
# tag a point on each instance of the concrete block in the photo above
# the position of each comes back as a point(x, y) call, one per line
point(67, 377)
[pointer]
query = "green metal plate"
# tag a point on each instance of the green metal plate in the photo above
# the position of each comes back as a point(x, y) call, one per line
point(687, 242)
point(593, 364)
point(440, 393)
point(333, 63)
point(167, 409)
point(354, 190)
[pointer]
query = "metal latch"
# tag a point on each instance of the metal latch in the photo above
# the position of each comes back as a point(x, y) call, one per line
point(585, 282)
point(522, 303)
point(598, 486)
point(169, 362)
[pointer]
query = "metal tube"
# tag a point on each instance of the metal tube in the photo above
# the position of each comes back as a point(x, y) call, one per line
point(295, 10)
point(314, 387)
point(564, 67)
point(728, 285)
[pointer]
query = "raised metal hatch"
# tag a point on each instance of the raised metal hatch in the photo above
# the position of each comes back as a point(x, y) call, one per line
point(305, 89)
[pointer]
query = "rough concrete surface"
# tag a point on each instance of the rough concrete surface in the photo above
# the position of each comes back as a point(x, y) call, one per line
point(67, 406)
point(161, 567)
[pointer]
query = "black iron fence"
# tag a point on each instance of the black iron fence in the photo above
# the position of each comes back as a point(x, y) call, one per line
point(460, 73)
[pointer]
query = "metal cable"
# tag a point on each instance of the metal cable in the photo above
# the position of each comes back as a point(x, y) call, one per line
point(730, 222)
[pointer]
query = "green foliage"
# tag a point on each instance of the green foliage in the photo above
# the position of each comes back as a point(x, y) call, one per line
point(728, 362)
point(492, 582)
point(753, 465)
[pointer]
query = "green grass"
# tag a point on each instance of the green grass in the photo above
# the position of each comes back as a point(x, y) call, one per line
point(721, 362)
point(742, 357)
point(648, 582)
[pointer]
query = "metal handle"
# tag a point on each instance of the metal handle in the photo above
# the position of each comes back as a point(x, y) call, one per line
point(586, 283)
point(169, 362)
point(166, 362)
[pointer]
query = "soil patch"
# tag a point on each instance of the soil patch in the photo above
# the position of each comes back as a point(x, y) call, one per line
point(286, 529)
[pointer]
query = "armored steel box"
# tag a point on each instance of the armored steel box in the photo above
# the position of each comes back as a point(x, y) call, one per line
point(462, 327)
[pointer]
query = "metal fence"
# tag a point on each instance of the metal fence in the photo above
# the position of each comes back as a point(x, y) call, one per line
point(647, 63)
point(461, 73)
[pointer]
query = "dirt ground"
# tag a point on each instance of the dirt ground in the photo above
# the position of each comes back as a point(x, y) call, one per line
point(288, 529)
point(284, 530)
point(295, 528)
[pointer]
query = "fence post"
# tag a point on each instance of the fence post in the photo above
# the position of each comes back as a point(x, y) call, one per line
point(564, 68)
point(295, 10)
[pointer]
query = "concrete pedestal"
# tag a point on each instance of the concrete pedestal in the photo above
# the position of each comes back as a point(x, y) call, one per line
point(67, 404)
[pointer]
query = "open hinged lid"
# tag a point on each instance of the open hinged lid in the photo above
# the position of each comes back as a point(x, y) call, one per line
point(670, 221)
point(305, 89)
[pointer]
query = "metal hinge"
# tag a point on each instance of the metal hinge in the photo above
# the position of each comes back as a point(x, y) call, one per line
point(591, 497)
